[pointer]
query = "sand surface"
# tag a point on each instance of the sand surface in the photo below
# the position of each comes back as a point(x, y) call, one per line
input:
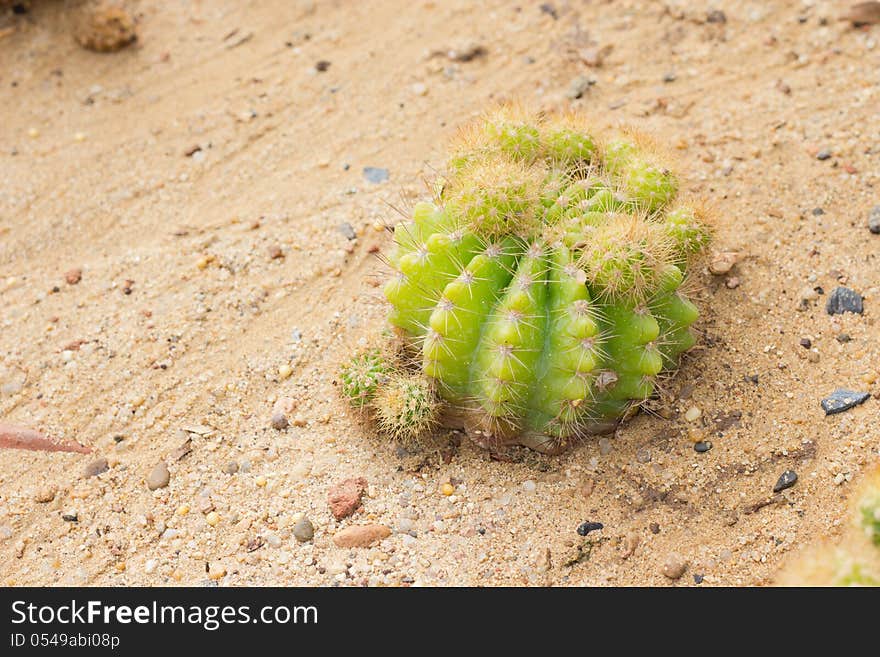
point(200, 180)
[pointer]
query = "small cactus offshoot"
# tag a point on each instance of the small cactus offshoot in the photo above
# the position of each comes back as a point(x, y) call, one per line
point(361, 375)
point(406, 407)
point(542, 289)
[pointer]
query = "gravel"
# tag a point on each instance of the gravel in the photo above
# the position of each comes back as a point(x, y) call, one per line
point(842, 400)
point(844, 300)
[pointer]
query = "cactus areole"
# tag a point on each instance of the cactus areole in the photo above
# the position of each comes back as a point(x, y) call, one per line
point(542, 288)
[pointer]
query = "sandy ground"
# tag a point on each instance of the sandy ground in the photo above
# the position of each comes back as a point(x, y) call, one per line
point(199, 180)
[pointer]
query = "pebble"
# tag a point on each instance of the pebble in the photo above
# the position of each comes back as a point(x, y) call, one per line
point(844, 300)
point(150, 566)
point(95, 468)
point(375, 175)
point(70, 516)
point(643, 455)
point(529, 486)
point(360, 535)
point(654, 527)
point(272, 540)
point(605, 446)
point(586, 527)
point(275, 252)
point(285, 371)
point(45, 494)
point(216, 572)
point(874, 220)
point(420, 89)
point(345, 497)
point(347, 231)
point(786, 480)
point(693, 414)
point(702, 446)
point(447, 489)
point(73, 276)
point(578, 87)
point(230, 468)
point(809, 293)
point(279, 421)
point(824, 154)
point(158, 477)
point(842, 400)
point(669, 77)
point(5, 532)
point(674, 566)
point(716, 16)
point(723, 262)
point(303, 530)
point(213, 518)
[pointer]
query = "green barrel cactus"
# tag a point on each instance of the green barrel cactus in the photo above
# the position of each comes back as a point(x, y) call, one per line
point(542, 289)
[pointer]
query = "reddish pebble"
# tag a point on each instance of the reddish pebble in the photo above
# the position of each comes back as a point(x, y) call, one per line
point(345, 497)
point(74, 276)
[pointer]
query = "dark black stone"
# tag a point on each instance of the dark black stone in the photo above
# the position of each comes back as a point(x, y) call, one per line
point(70, 517)
point(698, 579)
point(844, 337)
point(654, 527)
point(550, 10)
point(786, 480)
point(844, 300)
point(842, 400)
point(818, 211)
point(587, 527)
point(702, 446)
point(322, 66)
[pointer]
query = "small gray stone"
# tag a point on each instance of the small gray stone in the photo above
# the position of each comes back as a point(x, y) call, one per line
point(346, 229)
point(579, 86)
point(824, 154)
point(279, 421)
point(95, 468)
point(375, 175)
point(874, 220)
point(303, 530)
point(158, 477)
point(643, 455)
point(605, 446)
point(702, 447)
point(844, 300)
point(5, 532)
point(842, 400)
point(230, 468)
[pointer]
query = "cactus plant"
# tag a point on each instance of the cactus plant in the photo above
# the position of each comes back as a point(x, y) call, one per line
point(406, 407)
point(361, 375)
point(542, 289)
